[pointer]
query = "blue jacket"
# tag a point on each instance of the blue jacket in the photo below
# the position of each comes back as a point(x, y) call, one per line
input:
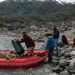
point(50, 43)
point(55, 34)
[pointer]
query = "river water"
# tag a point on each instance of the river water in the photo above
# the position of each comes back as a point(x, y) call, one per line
point(5, 43)
point(41, 69)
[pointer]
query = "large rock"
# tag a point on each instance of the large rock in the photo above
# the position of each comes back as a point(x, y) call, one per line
point(67, 55)
point(72, 54)
point(63, 63)
point(62, 53)
point(60, 44)
point(72, 71)
point(65, 72)
point(58, 70)
point(72, 64)
point(53, 74)
point(55, 62)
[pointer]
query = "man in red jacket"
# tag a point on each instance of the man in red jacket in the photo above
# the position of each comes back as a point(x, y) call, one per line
point(30, 44)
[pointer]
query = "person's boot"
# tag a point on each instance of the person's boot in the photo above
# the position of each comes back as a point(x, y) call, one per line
point(57, 54)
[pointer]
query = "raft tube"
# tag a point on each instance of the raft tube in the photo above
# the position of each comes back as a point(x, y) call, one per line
point(25, 61)
point(69, 40)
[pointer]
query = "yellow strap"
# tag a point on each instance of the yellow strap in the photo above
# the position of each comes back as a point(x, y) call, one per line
point(12, 55)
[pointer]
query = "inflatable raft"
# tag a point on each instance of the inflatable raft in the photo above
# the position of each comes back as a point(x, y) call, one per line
point(69, 40)
point(68, 28)
point(25, 61)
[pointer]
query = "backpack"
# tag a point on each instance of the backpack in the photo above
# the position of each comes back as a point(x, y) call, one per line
point(64, 39)
point(18, 47)
point(74, 41)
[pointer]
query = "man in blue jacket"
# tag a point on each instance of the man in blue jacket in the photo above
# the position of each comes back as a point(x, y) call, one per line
point(49, 46)
point(55, 37)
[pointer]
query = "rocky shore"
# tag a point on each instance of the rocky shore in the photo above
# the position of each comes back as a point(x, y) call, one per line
point(63, 64)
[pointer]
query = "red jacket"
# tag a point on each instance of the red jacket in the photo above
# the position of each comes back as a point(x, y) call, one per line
point(28, 41)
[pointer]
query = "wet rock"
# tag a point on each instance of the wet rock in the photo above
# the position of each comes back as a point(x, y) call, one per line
point(70, 48)
point(72, 71)
point(63, 63)
point(72, 54)
point(73, 74)
point(55, 57)
point(62, 53)
point(40, 40)
point(72, 64)
point(62, 48)
point(58, 70)
point(55, 62)
point(60, 44)
point(67, 55)
point(65, 72)
point(30, 69)
point(53, 74)
point(66, 46)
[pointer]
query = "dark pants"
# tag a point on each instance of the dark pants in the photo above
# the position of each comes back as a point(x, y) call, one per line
point(50, 51)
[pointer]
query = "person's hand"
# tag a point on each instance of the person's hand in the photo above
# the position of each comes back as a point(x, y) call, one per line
point(14, 40)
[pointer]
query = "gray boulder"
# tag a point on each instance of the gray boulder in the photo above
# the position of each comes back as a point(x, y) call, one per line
point(72, 64)
point(67, 55)
point(55, 62)
point(62, 53)
point(58, 70)
point(63, 63)
point(72, 54)
point(65, 72)
point(53, 74)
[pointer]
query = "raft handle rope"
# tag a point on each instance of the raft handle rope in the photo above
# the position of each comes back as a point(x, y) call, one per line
point(11, 58)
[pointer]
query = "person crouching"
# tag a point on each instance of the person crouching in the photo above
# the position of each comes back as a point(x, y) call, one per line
point(30, 44)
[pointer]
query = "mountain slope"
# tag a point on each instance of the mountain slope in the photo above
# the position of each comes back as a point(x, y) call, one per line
point(41, 11)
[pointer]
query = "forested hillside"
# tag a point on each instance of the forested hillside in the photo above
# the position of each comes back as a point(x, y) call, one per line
point(36, 11)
